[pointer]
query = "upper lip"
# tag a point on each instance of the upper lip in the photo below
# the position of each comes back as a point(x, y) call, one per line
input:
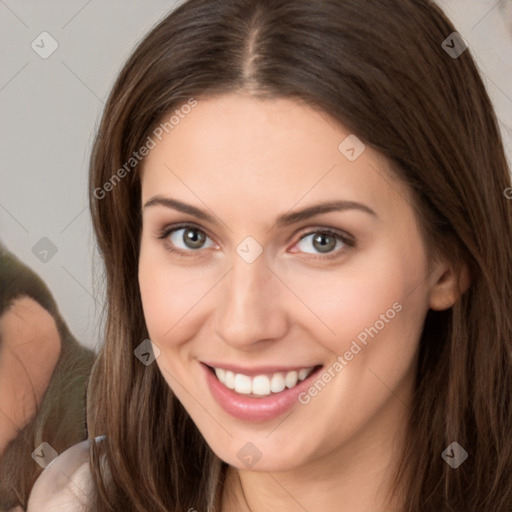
point(257, 370)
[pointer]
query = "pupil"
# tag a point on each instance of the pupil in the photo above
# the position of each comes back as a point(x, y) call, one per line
point(321, 240)
point(195, 237)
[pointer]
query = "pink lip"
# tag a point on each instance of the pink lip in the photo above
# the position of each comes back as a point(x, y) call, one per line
point(255, 409)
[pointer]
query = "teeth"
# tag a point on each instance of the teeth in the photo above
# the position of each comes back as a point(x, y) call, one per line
point(277, 383)
point(243, 384)
point(291, 379)
point(303, 373)
point(229, 380)
point(261, 385)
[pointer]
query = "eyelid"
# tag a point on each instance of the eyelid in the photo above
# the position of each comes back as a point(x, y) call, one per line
point(169, 228)
point(324, 229)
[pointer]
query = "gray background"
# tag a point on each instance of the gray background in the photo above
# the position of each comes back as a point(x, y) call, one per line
point(50, 109)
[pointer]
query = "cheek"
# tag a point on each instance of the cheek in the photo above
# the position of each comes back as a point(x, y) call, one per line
point(168, 293)
point(375, 296)
point(156, 303)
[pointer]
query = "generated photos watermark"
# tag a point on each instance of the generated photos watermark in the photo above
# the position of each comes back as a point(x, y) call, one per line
point(343, 360)
point(137, 156)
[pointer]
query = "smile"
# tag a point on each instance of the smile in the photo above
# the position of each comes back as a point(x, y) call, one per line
point(257, 394)
point(261, 385)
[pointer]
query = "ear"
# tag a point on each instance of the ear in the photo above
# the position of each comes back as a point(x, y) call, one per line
point(448, 285)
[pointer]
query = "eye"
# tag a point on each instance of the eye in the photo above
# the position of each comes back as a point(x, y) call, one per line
point(184, 238)
point(325, 241)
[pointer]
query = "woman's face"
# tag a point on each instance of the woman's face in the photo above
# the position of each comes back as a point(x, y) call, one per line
point(263, 294)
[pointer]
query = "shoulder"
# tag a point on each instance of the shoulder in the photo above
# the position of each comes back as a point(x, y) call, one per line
point(66, 484)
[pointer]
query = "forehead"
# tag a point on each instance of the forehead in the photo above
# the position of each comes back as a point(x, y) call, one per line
point(260, 154)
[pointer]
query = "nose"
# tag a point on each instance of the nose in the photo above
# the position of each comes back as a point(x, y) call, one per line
point(251, 309)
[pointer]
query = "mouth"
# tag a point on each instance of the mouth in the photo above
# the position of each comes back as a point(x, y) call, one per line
point(258, 395)
point(263, 384)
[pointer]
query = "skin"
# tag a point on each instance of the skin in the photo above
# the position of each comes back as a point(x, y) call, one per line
point(29, 351)
point(247, 161)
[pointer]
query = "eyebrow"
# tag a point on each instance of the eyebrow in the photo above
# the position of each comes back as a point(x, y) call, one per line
point(283, 220)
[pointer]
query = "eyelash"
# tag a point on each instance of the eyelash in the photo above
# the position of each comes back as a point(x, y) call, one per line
point(349, 243)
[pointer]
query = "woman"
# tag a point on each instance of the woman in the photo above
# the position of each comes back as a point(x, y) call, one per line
point(353, 355)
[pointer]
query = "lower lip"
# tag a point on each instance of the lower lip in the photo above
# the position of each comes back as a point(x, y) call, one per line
point(255, 409)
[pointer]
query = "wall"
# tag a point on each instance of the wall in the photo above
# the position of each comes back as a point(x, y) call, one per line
point(50, 108)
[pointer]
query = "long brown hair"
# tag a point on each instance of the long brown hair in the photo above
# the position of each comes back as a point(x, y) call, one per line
point(381, 69)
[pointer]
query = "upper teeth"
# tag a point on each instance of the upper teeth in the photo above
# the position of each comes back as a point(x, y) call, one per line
point(261, 385)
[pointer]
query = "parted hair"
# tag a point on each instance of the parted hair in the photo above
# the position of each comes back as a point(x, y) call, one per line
point(380, 68)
